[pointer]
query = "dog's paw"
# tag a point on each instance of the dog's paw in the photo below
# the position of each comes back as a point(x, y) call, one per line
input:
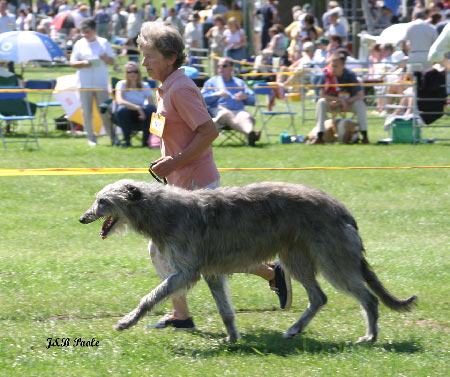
point(366, 339)
point(122, 325)
point(230, 339)
point(290, 333)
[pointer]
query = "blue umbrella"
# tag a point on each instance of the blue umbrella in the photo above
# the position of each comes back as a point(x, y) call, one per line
point(22, 46)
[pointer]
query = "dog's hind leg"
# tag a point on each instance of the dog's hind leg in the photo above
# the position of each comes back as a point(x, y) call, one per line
point(301, 268)
point(349, 280)
point(219, 289)
point(173, 284)
point(369, 306)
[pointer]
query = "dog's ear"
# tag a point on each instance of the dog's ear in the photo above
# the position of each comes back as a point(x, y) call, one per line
point(132, 193)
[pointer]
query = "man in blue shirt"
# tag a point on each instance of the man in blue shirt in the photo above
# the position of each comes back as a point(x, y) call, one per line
point(340, 99)
point(226, 97)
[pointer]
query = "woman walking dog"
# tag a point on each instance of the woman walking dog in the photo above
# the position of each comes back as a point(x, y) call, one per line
point(187, 161)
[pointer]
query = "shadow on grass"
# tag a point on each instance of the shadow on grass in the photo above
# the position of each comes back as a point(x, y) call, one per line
point(265, 342)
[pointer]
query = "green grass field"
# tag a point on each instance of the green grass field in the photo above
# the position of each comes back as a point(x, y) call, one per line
point(58, 279)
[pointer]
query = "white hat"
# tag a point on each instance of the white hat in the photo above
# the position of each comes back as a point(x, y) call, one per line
point(398, 56)
point(308, 46)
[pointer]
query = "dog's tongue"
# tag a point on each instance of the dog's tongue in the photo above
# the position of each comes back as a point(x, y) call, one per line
point(105, 227)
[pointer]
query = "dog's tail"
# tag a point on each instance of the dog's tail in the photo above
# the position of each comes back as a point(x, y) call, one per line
point(377, 287)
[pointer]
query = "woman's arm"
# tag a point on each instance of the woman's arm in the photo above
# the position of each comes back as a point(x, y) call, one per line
point(205, 135)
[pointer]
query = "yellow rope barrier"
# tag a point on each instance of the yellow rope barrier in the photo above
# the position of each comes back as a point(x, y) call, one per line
point(86, 171)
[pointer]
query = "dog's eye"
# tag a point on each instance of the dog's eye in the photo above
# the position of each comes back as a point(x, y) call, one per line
point(101, 201)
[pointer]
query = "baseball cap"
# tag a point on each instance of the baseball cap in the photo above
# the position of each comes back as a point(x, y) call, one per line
point(322, 40)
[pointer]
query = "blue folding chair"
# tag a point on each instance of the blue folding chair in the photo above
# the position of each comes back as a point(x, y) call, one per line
point(14, 99)
point(265, 90)
point(45, 102)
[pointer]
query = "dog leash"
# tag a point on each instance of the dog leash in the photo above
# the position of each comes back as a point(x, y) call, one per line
point(163, 181)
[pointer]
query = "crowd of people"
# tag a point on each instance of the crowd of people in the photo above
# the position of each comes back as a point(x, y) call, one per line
point(308, 41)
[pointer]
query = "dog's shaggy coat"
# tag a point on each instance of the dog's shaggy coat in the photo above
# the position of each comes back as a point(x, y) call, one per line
point(215, 232)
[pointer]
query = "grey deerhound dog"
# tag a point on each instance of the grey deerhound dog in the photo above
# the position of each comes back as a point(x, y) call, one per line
point(215, 232)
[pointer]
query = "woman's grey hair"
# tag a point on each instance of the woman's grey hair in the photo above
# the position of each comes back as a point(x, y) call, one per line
point(164, 38)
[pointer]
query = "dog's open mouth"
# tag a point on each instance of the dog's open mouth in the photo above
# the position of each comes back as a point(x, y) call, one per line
point(107, 226)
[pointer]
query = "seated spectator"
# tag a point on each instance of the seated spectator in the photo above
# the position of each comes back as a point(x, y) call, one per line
point(335, 42)
point(296, 68)
point(134, 103)
point(320, 53)
point(310, 29)
point(226, 97)
point(335, 99)
point(235, 40)
point(277, 44)
point(386, 65)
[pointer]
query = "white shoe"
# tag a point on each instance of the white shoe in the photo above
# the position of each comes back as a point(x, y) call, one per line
point(92, 143)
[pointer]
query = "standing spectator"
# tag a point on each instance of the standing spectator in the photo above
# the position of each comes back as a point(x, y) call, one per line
point(216, 38)
point(291, 32)
point(337, 99)
point(174, 20)
point(184, 13)
point(43, 7)
point(164, 10)
point(385, 17)
point(226, 97)
point(7, 20)
point(64, 6)
point(149, 11)
point(393, 5)
point(235, 40)
point(334, 27)
point(30, 20)
point(331, 6)
point(418, 39)
point(134, 103)
point(118, 22)
point(20, 20)
point(90, 56)
point(134, 23)
point(192, 32)
point(103, 20)
point(269, 15)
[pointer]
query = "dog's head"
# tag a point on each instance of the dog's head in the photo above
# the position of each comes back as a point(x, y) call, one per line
point(111, 204)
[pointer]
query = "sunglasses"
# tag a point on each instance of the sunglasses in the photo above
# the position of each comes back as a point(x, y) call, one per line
point(224, 65)
point(132, 71)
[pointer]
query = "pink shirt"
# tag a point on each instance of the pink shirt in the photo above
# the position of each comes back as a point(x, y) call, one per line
point(183, 106)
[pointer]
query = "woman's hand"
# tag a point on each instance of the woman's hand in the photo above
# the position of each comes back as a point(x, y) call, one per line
point(141, 113)
point(164, 166)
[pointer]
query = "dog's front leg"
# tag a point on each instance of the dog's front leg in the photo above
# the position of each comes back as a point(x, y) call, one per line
point(219, 290)
point(174, 283)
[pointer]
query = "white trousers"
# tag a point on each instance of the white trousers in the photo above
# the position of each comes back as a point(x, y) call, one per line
point(86, 99)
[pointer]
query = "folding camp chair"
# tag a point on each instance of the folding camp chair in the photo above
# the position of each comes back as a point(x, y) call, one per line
point(268, 91)
point(15, 107)
point(46, 86)
point(229, 135)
